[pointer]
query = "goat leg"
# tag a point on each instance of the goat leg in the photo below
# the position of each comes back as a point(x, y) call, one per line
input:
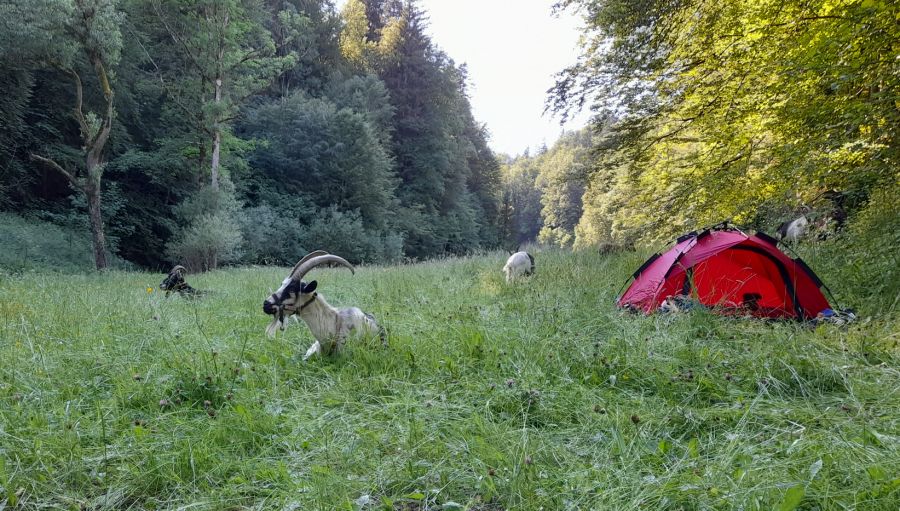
point(315, 348)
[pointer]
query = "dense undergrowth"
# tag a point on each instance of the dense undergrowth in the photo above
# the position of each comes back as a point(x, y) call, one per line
point(537, 395)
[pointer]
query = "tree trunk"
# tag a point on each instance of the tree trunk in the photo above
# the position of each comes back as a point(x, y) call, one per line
point(99, 239)
point(93, 138)
point(91, 186)
point(217, 141)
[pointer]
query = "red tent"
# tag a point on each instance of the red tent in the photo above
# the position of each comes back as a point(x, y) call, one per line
point(729, 270)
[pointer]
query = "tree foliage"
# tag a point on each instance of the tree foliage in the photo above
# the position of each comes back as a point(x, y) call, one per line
point(543, 194)
point(348, 131)
point(733, 109)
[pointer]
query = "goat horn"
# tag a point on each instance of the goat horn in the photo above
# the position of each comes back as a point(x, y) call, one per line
point(307, 257)
point(179, 269)
point(303, 268)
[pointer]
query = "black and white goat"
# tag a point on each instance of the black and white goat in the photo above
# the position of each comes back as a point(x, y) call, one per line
point(792, 230)
point(518, 264)
point(174, 282)
point(331, 327)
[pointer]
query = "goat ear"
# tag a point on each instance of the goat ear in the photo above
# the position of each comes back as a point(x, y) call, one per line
point(309, 288)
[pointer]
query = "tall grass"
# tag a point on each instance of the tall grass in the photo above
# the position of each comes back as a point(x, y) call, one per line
point(30, 244)
point(537, 395)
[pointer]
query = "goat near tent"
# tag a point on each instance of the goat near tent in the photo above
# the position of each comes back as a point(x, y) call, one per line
point(724, 268)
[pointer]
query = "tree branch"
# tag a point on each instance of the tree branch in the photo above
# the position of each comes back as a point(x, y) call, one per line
point(78, 111)
point(102, 135)
point(250, 55)
point(179, 41)
point(57, 167)
point(169, 90)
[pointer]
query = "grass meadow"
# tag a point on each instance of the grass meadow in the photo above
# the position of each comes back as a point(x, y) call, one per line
point(537, 395)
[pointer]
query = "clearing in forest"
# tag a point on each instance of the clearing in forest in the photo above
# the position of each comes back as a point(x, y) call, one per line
point(535, 395)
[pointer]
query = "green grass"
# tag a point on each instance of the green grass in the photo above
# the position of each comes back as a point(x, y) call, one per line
point(539, 395)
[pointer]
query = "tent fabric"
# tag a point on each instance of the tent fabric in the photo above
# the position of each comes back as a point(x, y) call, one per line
point(728, 270)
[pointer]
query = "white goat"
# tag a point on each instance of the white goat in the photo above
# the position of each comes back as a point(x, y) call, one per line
point(518, 264)
point(791, 232)
point(330, 326)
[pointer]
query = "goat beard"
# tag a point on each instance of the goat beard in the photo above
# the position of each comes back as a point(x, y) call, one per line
point(279, 322)
point(273, 327)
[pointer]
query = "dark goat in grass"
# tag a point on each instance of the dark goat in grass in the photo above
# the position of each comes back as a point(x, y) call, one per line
point(175, 282)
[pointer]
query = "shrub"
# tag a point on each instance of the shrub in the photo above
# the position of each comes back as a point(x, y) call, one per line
point(280, 237)
point(271, 236)
point(343, 233)
point(211, 235)
point(867, 258)
point(31, 244)
point(861, 264)
point(209, 241)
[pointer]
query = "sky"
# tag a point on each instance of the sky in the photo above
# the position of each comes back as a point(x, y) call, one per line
point(513, 49)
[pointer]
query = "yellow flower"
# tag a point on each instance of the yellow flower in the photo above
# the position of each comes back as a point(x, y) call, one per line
point(149, 289)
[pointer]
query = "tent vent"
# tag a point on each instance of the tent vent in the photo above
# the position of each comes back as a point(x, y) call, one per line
point(687, 236)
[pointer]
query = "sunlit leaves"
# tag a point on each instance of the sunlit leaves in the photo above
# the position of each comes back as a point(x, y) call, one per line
point(743, 105)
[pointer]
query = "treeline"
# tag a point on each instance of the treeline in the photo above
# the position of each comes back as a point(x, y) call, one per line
point(240, 131)
point(754, 111)
point(543, 193)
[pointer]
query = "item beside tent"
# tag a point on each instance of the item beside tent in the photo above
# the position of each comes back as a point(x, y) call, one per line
point(727, 270)
point(841, 317)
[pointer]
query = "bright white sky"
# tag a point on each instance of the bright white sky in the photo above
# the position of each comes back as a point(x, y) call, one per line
point(512, 48)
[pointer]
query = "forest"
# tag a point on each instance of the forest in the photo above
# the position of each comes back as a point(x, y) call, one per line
point(138, 133)
point(231, 138)
point(751, 112)
point(238, 131)
point(754, 112)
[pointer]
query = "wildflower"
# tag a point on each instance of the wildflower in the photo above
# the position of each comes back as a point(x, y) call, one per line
point(149, 290)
